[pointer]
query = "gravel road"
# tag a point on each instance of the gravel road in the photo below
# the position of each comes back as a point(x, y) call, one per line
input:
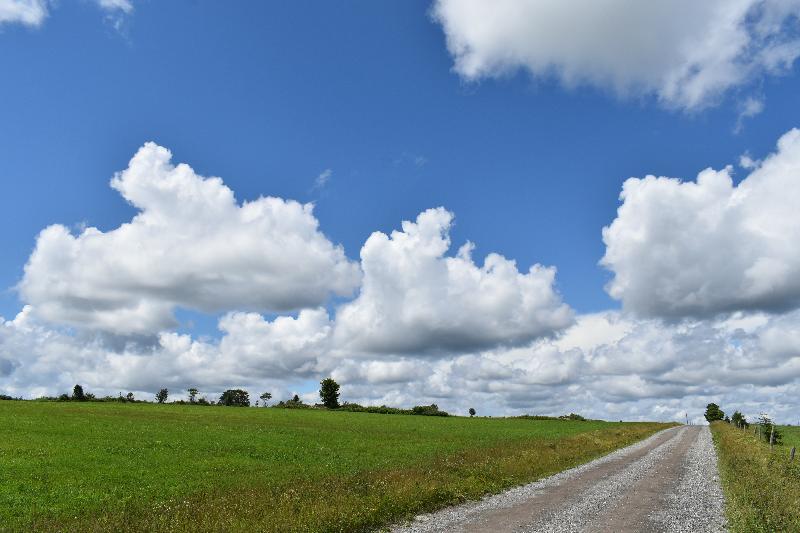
point(666, 483)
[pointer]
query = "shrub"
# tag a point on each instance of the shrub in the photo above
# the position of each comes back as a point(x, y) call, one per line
point(294, 403)
point(769, 430)
point(235, 398)
point(428, 410)
point(382, 409)
point(739, 420)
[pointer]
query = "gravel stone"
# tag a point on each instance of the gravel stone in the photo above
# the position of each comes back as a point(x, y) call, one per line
point(697, 503)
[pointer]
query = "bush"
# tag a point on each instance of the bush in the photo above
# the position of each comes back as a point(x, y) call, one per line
point(294, 403)
point(428, 410)
point(382, 409)
point(235, 398)
point(739, 420)
point(768, 429)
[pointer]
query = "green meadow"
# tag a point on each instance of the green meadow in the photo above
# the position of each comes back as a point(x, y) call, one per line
point(790, 436)
point(113, 466)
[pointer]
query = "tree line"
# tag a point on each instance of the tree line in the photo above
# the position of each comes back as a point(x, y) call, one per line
point(328, 393)
point(768, 429)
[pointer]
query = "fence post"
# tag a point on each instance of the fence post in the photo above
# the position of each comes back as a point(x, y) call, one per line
point(791, 454)
point(772, 436)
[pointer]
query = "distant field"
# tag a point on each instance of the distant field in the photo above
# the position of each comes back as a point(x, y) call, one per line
point(108, 466)
point(762, 488)
point(791, 436)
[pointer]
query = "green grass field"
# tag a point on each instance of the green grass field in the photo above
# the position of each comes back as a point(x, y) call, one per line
point(109, 466)
point(762, 488)
point(790, 436)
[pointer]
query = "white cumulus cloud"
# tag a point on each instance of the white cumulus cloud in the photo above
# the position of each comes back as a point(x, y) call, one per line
point(609, 365)
point(26, 12)
point(414, 298)
point(685, 53)
point(191, 245)
point(708, 246)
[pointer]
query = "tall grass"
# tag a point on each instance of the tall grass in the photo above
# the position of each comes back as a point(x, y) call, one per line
point(135, 467)
point(761, 486)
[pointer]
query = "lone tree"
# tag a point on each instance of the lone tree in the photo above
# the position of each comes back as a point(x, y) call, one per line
point(266, 397)
point(471, 412)
point(129, 397)
point(714, 413)
point(329, 392)
point(192, 394)
point(77, 393)
point(161, 396)
point(235, 398)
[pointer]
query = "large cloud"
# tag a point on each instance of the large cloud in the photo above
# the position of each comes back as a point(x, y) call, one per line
point(37, 358)
point(686, 53)
point(27, 12)
point(701, 248)
point(414, 299)
point(607, 365)
point(191, 245)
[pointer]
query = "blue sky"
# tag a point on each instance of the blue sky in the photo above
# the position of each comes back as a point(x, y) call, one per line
point(280, 92)
point(270, 95)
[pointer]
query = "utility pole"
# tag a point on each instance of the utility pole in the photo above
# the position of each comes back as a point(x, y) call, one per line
point(687, 419)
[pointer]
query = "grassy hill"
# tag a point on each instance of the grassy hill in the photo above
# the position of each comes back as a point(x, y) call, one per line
point(109, 466)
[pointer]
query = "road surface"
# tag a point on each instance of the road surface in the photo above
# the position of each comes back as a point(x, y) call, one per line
point(668, 482)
